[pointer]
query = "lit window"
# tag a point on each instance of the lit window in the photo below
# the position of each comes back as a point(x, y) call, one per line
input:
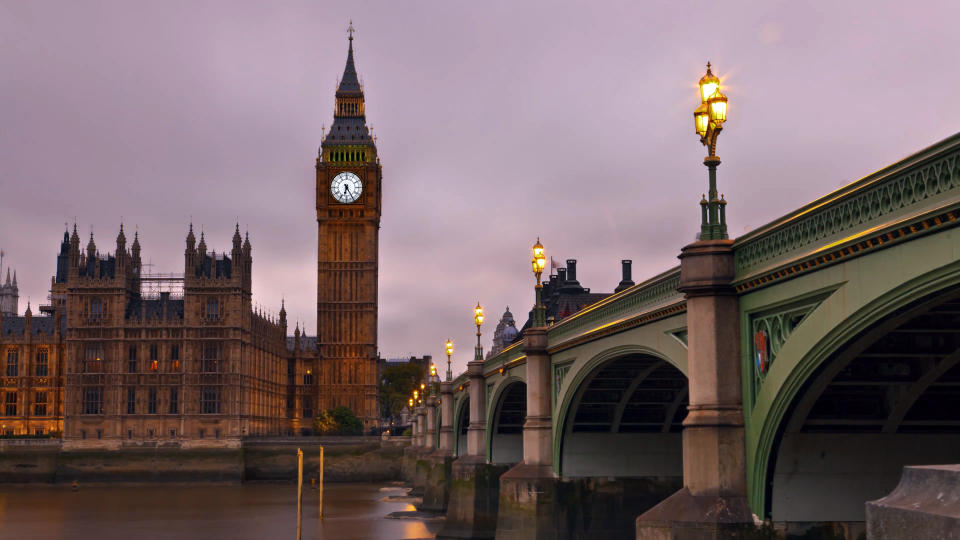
point(211, 358)
point(93, 358)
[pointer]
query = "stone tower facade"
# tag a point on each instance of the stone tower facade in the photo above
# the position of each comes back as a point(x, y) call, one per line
point(348, 219)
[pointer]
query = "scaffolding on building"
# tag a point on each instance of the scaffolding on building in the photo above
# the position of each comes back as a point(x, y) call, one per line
point(152, 285)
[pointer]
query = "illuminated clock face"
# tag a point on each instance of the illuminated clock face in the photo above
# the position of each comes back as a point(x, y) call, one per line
point(346, 187)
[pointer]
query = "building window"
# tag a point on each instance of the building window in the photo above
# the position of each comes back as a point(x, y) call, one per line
point(202, 432)
point(152, 401)
point(131, 400)
point(213, 309)
point(10, 404)
point(38, 431)
point(150, 432)
point(175, 357)
point(99, 434)
point(96, 309)
point(307, 407)
point(211, 358)
point(174, 401)
point(173, 434)
point(13, 362)
point(93, 400)
point(132, 359)
point(40, 404)
point(83, 434)
point(154, 356)
point(129, 434)
point(210, 399)
point(93, 358)
point(308, 378)
point(42, 368)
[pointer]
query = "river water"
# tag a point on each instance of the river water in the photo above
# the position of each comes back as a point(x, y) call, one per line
point(204, 511)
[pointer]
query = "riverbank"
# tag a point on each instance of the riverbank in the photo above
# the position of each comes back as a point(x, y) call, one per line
point(346, 459)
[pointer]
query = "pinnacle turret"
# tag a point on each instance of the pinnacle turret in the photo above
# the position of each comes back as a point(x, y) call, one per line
point(135, 248)
point(121, 241)
point(91, 247)
point(236, 238)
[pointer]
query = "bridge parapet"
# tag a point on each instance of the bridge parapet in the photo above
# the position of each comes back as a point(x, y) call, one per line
point(885, 204)
point(650, 300)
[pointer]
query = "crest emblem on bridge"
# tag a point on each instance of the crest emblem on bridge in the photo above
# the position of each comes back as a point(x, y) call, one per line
point(761, 346)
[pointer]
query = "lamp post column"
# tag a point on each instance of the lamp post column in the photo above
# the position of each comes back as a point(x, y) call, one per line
point(538, 427)
point(430, 440)
point(714, 457)
point(421, 426)
point(477, 429)
point(446, 417)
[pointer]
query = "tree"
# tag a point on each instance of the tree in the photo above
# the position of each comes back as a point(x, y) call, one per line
point(337, 421)
point(396, 387)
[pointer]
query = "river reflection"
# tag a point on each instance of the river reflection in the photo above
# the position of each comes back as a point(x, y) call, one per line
point(203, 511)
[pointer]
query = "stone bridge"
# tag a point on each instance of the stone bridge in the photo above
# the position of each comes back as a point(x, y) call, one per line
point(788, 375)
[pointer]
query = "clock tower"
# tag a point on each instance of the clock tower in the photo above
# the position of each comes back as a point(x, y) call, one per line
point(348, 222)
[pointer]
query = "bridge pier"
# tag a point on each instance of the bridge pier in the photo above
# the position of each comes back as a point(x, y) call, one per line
point(713, 501)
point(409, 466)
point(419, 455)
point(474, 483)
point(530, 491)
point(437, 490)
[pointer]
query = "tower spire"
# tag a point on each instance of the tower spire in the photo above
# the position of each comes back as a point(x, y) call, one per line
point(349, 83)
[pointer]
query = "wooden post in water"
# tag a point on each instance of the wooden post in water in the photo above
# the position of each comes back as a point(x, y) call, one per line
point(299, 492)
point(320, 488)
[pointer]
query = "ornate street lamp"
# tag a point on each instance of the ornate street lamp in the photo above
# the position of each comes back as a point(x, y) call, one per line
point(539, 262)
point(708, 120)
point(449, 346)
point(478, 320)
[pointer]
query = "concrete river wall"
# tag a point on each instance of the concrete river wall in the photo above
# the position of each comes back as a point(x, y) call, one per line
point(346, 459)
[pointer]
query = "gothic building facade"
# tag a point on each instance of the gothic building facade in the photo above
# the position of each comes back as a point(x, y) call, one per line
point(114, 361)
point(111, 364)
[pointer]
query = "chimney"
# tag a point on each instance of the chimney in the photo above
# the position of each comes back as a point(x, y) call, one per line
point(572, 269)
point(627, 280)
point(561, 275)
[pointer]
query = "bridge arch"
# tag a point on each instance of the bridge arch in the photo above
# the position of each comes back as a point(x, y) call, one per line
point(505, 417)
point(577, 382)
point(855, 405)
point(461, 420)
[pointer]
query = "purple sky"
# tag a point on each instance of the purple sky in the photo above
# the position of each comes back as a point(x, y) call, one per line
point(497, 122)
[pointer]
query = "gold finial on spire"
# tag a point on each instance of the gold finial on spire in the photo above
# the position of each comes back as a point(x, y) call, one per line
point(350, 30)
